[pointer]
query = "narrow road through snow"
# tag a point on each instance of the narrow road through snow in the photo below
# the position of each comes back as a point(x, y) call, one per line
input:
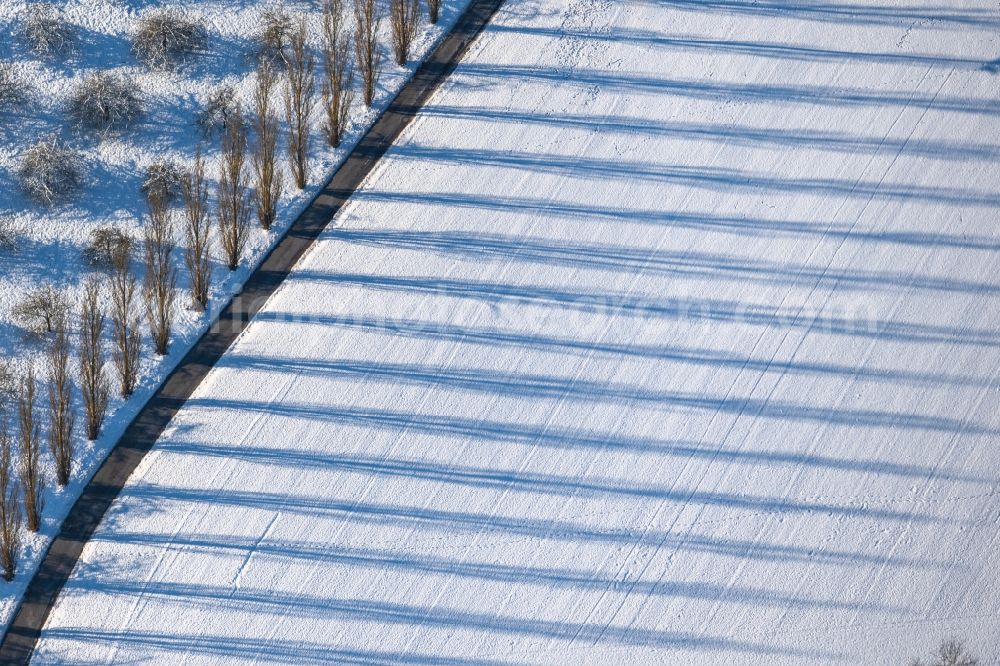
point(668, 332)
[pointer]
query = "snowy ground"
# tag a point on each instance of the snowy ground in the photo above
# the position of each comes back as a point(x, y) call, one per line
point(50, 241)
point(669, 333)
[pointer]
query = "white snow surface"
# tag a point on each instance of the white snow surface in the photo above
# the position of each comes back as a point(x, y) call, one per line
point(50, 241)
point(668, 333)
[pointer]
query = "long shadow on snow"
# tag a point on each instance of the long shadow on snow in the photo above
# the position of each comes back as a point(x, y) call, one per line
point(539, 386)
point(248, 650)
point(403, 562)
point(710, 221)
point(363, 611)
point(619, 258)
point(840, 142)
point(728, 92)
point(862, 13)
point(495, 337)
point(627, 305)
point(574, 439)
point(752, 49)
point(705, 177)
point(505, 480)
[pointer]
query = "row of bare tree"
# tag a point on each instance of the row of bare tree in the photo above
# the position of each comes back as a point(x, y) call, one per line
point(22, 482)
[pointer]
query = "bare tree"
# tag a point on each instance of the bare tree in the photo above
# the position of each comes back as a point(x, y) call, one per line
point(93, 381)
point(29, 468)
point(299, 89)
point(234, 207)
point(162, 182)
point(218, 110)
point(10, 506)
point(265, 153)
point(41, 309)
point(125, 325)
point(160, 280)
point(272, 41)
point(338, 71)
point(433, 10)
point(197, 230)
point(950, 653)
point(105, 244)
point(403, 15)
point(367, 18)
point(61, 415)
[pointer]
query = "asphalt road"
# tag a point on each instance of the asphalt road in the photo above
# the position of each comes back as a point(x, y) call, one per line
point(142, 433)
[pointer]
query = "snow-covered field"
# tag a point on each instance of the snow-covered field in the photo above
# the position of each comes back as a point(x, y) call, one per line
point(669, 333)
point(50, 241)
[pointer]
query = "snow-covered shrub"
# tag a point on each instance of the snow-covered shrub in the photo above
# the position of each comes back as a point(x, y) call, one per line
point(105, 102)
point(13, 89)
point(220, 106)
point(950, 653)
point(49, 170)
point(46, 31)
point(106, 245)
point(273, 39)
point(162, 181)
point(166, 36)
point(42, 309)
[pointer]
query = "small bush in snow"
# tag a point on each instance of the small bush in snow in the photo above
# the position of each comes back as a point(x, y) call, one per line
point(42, 309)
point(49, 170)
point(166, 36)
point(220, 106)
point(950, 653)
point(106, 245)
point(13, 89)
point(105, 102)
point(46, 31)
point(163, 181)
point(274, 36)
